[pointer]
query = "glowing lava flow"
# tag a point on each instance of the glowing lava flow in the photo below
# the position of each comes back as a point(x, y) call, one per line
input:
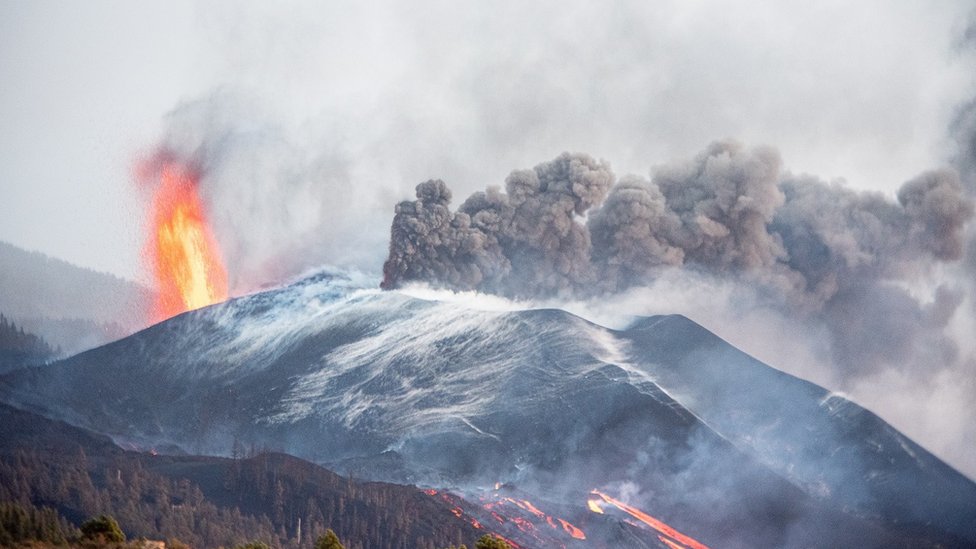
point(669, 543)
point(528, 506)
point(181, 248)
point(573, 531)
point(525, 525)
point(654, 523)
point(518, 518)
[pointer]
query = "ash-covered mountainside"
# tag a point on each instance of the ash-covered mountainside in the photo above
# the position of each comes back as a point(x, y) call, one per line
point(381, 385)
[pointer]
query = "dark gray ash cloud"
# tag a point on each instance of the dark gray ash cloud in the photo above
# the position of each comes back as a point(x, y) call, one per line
point(565, 228)
point(837, 238)
point(711, 212)
point(525, 242)
point(834, 256)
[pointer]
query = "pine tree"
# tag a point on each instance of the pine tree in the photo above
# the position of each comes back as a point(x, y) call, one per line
point(102, 528)
point(329, 540)
point(491, 542)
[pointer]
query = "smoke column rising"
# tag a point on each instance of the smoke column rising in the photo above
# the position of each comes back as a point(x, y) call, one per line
point(279, 200)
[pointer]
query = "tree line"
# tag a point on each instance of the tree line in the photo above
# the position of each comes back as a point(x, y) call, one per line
point(207, 502)
point(45, 528)
point(18, 344)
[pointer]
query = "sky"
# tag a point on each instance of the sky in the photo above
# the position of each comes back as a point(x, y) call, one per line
point(313, 119)
point(462, 91)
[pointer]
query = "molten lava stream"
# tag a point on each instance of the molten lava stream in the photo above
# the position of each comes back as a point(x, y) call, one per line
point(572, 530)
point(181, 249)
point(533, 517)
point(654, 523)
point(669, 543)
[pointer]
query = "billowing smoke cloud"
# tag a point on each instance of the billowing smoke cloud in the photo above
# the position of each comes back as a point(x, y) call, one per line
point(525, 242)
point(730, 210)
point(839, 240)
point(840, 258)
point(711, 212)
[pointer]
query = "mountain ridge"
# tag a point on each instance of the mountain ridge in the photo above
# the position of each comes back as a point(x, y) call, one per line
point(72, 307)
point(344, 375)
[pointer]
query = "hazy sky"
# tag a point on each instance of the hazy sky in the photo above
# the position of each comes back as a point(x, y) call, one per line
point(313, 120)
point(395, 93)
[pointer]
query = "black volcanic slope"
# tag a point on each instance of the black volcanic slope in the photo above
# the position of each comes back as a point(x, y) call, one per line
point(389, 387)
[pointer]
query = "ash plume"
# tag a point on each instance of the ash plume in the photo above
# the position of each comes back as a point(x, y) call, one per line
point(564, 228)
point(836, 257)
point(838, 239)
point(525, 242)
point(712, 212)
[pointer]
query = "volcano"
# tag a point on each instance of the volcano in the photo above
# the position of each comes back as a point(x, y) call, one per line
point(516, 411)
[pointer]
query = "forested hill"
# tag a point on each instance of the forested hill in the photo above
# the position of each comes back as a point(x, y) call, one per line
point(211, 502)
point(19, 348)
point(70, 306)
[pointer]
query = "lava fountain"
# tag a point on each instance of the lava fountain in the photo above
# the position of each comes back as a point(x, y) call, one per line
point(181, 250)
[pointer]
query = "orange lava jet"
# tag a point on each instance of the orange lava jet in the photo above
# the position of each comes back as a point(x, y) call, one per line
point(181, 249)
point(594, 505)
point(672, 534)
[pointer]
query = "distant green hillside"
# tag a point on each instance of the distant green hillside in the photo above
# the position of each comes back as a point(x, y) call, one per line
point(19, 348)
point(69, 306)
